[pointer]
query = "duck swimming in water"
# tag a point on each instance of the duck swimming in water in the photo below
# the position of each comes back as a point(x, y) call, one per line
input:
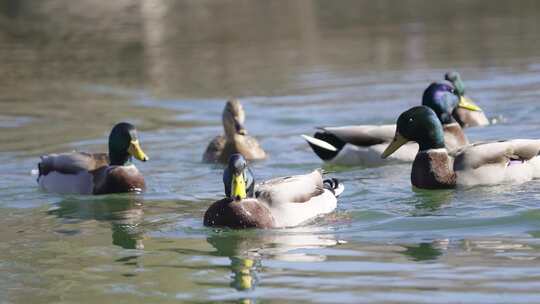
point(486, 163)
point(235, 139)
point(363, 144)
point(280, 202)
point(96, 173)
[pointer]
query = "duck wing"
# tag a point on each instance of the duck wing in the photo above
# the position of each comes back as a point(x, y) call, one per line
point(72, 163)
point(476, 155)
point(363, 135)
point(290, 189)
point(215, 149)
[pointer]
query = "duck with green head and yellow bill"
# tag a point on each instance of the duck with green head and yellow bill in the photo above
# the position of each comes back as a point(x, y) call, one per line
point(235, 139)
point(487, 163)
point(280, 202)
point(96, 173)
point(466, 118)
point(363, 144)
point(442, 99)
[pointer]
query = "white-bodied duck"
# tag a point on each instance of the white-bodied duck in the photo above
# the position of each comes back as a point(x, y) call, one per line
point(363, 144)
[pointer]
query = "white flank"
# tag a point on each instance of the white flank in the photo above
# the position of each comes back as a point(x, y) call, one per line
point(80, 183)
point(493, 174)
point(293, 214)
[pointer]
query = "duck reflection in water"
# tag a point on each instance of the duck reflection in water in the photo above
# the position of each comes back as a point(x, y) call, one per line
point(428, 201)
point(425, 251)
point(247, 250)
point(124, 212)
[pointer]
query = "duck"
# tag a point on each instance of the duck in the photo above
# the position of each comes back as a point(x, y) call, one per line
point(363, 144)
point(276, 203)
point(483, 163)
point(466, 118)
point(235, 139)
point(96, 173)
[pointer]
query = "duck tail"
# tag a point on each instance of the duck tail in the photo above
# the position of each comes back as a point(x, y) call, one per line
point(326, 145)
point(334, 185)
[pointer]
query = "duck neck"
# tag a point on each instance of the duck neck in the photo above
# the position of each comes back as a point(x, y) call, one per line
point(238, 142)
point(119, 159)
point(432, 141)
point(431, 170)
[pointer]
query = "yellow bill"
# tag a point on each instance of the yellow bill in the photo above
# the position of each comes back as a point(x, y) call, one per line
point(397, 142)
point(467, 103)
point(136, 151)
point(238, 187)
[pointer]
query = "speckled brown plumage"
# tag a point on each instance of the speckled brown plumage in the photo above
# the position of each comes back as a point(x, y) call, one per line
point(248, 213)
point(220, 148)
point(235, 138)
point(431, 170)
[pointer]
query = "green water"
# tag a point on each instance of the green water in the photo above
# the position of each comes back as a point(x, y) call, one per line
point(71, 69)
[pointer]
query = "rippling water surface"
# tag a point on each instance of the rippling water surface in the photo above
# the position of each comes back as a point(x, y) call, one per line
point(72, 69)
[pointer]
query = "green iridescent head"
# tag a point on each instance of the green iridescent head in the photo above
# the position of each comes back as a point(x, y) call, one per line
point(419, 124)
point(123, 144)
point(456, 81)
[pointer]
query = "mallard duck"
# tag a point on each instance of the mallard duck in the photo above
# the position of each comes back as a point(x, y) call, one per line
point(466, 118)
point(96, 173)
point(363, 145)
point(280, 202)
point(235, 139)
point(486, 163)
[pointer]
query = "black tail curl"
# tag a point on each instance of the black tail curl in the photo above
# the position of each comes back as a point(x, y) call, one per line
point(333, 185)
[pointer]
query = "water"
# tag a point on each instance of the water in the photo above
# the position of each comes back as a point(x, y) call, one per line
point(72, 69)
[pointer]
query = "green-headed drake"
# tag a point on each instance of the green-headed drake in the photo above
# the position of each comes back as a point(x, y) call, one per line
point(96, 173)
point(363, 144)
point(280, 202)
point(466, 118)
point(235, 139)
point(488, 163)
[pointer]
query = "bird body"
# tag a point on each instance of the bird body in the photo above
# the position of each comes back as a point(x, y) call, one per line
point(96, 173)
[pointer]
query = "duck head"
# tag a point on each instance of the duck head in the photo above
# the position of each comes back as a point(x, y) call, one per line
point(124, 144)
point(455, 79)
point(419, 124)
point(233, 119)
point(238, 179)
point(463, 115)
point(442, 98)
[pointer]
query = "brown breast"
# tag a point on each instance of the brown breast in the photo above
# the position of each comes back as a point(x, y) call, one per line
point(431, 170)
point(248, 213)
point(118, 179)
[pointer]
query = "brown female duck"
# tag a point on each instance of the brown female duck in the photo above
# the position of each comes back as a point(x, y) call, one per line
point(235, 139)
